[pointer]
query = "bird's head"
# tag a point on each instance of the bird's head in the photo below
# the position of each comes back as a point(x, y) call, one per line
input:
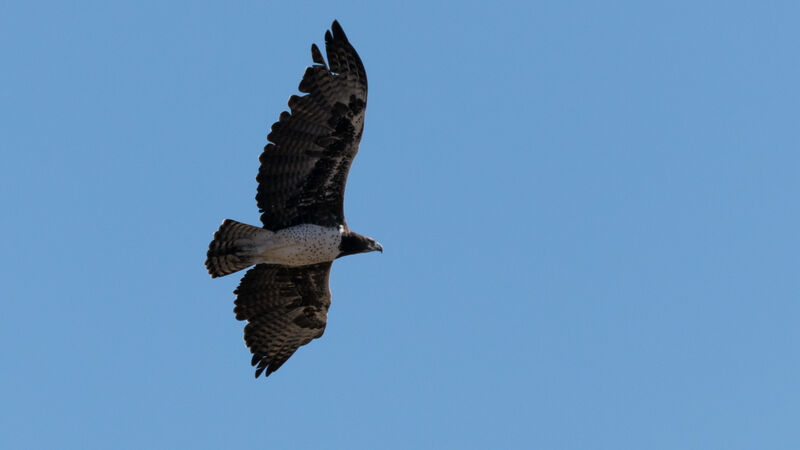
point(353, 243)
point(374, 246)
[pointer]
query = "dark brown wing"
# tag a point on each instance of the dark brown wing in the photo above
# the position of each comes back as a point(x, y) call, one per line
point(304, 168)
point(285, 308)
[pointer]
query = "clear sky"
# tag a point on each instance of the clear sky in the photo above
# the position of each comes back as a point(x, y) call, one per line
point(589, 212)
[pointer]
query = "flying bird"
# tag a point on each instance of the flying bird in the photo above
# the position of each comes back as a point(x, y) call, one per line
point(301, 183)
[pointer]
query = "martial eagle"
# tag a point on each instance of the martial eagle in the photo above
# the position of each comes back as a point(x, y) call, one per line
point(301, 182)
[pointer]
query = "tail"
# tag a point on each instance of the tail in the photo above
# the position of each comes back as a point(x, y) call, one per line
point(233, 248)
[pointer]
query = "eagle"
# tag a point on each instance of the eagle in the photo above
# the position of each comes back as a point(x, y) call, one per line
point(301, 182)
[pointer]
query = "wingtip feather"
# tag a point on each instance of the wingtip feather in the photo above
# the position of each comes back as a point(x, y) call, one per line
point(338, 32)
point(316, 55)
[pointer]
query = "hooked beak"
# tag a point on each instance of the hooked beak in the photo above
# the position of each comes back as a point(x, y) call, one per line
point(378, 247)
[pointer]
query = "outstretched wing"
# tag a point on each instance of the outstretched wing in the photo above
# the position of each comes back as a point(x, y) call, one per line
point(285, 308)
point(304, 167)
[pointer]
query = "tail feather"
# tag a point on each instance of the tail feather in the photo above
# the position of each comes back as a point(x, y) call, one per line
point(230, 250)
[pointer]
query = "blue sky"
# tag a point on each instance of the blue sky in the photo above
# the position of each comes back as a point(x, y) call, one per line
point(589, 212)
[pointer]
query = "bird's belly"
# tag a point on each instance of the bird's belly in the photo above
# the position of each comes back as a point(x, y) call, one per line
point(302, 245)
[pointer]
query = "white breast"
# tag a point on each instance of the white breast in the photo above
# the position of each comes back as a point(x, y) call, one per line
point(301, 245)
